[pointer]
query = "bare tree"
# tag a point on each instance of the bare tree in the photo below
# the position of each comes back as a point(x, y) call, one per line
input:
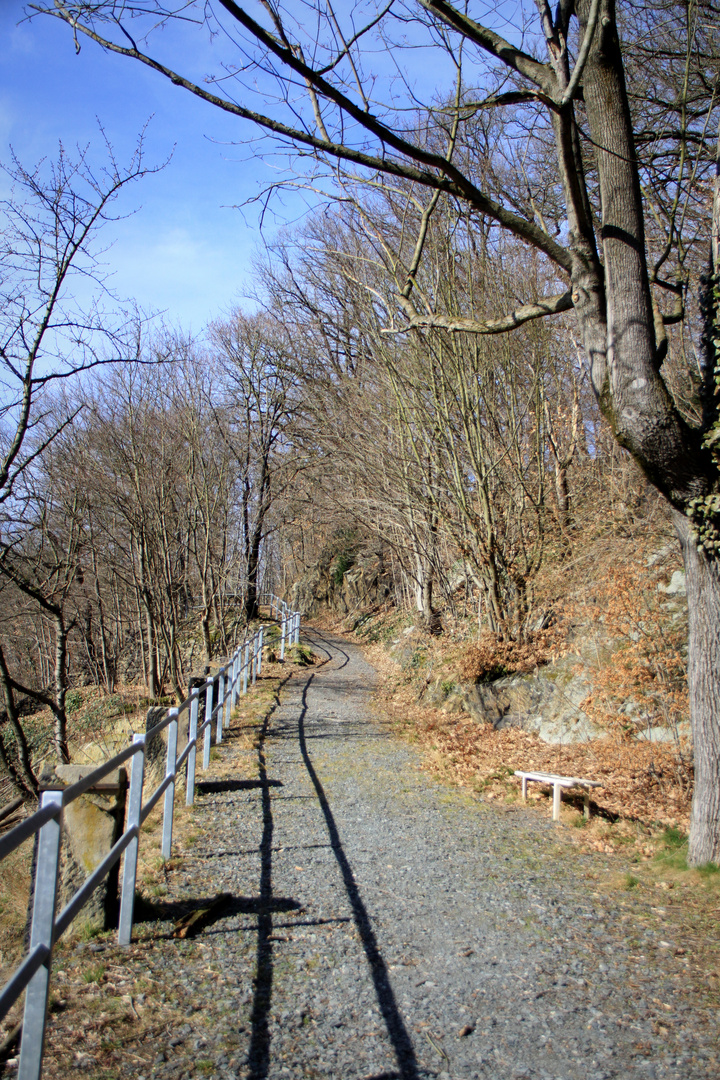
point(573, 103)
point(56, 322)
point(57, 316)
point(259, 373)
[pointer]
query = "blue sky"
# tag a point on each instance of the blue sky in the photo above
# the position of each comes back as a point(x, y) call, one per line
point(188, 249)
point(185, 250)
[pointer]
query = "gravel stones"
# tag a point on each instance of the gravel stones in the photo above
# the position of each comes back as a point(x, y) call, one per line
point(383, 925)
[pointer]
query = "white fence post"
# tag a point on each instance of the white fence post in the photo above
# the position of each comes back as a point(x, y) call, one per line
point(235, 677)
point(127, 897)
point(246, 666)
point(220, 707)
point(261, 633)
point(208, 721)
point(170, 767)
point(43, 920)
point(227, 707)
point(192, 734)
point(282, 638)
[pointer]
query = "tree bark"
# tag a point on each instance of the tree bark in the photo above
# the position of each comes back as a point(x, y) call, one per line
point(21, 772)
point(702, 579)
point(61, 739)
point(630, 389)
point(152, 663)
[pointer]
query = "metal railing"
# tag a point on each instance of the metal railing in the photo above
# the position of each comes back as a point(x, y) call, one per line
point(288, 620)
point(222, 692)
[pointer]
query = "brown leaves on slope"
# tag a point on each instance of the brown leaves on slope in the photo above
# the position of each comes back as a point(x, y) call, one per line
point(639, 780)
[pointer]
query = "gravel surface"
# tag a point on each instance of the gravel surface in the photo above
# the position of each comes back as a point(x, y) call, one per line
point(385, 925)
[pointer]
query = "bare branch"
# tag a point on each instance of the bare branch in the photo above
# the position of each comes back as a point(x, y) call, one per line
point(552, 306)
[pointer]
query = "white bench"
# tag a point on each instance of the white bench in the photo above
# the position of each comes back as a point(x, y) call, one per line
point(558, 783)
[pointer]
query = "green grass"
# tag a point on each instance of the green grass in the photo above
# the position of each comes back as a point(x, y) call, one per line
point(93, 974)
point(674, 850)
point(630, 881)
point(300, 654)
point(674, 854)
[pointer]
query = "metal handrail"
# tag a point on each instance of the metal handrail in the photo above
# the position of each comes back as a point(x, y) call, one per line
point(33, 973)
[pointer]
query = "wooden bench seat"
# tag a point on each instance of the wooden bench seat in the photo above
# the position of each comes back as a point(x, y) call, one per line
point(558, 783)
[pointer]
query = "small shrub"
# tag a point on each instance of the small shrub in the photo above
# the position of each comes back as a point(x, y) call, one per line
point(674, 849)
point(341, 564)
point(93, 974)
point(492, 657)
point(73, 701)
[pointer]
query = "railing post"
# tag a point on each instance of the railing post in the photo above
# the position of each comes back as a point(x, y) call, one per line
point(220, 707)
point(229, 694)
point(246, 666)
point(297, 627)
point(127, 897)
point(254, 659)
point(192, 734)
point(235, 677)
point(170, 767)
point(208, 721)
point(261, 634)
point(43, 919)
point(282, 638)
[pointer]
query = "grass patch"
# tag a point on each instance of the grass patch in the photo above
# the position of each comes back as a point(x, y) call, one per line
point(673, 853)
point(93, 974)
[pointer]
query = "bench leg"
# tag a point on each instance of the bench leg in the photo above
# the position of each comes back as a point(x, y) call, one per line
point(557, 794)
point(586, 806)
point(524, 788)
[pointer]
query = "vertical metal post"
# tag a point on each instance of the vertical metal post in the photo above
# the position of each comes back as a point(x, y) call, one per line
point(231, 690)
point(282, 638)
point(170, 767)
point(192, 735)
point(246, 666)
point(235, 678)
point(220, 707)
point(208, 721)
point(297, 627)
point(127, 897)
point(43, 919)
point(261, 634)
point(254, 659)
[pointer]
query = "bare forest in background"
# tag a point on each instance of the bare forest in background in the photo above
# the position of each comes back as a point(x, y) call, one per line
point(425, 408)
point(473, 477)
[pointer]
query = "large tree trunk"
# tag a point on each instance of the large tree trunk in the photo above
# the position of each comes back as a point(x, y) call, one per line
point(702, 578)
point(423, 592)
point(253, 567)
point(61, 739)
point(20, 770)
point(152, 663)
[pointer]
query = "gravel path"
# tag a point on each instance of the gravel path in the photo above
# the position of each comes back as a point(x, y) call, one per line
point(385, 925)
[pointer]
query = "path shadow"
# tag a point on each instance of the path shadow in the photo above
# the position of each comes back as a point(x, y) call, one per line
point(259, 1050)
point(213, 787)
point(318, 639)
point(258, 1058)
point(394, 1023)
point(172, 910)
